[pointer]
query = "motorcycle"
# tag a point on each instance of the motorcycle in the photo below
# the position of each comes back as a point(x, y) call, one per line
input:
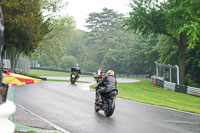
point(74, 77)
point(108, 103)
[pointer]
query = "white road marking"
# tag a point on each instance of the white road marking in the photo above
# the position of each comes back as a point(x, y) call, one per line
point(47, 121)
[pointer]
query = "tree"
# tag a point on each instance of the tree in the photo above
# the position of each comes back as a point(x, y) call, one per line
point(177, 19)
point(24, 27)
point(68, 62)
point(167, 50)
point(53, 45)
point(193, 63)
point(104, 26)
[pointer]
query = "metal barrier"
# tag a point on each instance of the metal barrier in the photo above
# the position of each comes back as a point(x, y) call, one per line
point(175, 87)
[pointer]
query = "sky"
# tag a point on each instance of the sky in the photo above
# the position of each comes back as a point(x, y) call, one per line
point(80, 9)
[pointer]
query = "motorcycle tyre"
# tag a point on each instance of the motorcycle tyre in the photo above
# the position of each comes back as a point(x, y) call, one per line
point(96, 108)
point(72, 81)
point(110, 110)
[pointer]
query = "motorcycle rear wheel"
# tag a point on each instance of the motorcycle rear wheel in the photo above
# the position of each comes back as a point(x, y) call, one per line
point(108, 112)
point(72, 81)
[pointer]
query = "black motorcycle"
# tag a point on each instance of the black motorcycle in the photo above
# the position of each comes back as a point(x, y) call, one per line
point(74, 77)
point(108, 103)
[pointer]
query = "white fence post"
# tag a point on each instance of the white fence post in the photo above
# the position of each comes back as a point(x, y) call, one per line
point(177, 74)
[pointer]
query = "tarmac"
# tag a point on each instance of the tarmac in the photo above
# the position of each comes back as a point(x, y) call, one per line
point(25, 122)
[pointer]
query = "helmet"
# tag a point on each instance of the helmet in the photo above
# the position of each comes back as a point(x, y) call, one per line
point(110, 72)
point(76, 65)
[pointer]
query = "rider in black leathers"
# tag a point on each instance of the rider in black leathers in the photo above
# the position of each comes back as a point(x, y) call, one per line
point(76, 69)
point(108, 84)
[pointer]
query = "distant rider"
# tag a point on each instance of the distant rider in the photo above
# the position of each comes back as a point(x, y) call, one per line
point(108, 84)
point(76, 69)
point(99, 72)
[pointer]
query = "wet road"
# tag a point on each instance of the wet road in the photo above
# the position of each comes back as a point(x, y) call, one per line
point(72, 108)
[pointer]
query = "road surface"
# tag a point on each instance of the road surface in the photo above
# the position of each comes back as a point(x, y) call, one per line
point(72, 108)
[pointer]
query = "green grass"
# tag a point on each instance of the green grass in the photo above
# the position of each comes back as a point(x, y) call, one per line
point(145, 92)
point(51, 73)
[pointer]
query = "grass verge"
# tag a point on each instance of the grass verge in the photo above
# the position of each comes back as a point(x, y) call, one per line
point(145, 92)
point(52, 73)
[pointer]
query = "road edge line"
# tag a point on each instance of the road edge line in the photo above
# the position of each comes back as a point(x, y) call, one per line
point(47, 121)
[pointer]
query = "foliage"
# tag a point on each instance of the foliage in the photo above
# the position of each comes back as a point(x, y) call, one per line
point(186, 19)
point(115, 48)
point(67, 62)
point(50, 50)
point(53, 6)
point(103, 26)
point(167, 50)
point(177, 19)
point(108, 45)
point(25, 27)
point(193, 64)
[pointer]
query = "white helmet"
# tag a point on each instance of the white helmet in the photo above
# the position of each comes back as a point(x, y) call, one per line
point(110, 72)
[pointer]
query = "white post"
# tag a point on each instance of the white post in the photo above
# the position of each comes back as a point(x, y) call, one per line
point(36, 63)
point(6, 109)
point(177, 74)
point(156, 69)
point(170, 73)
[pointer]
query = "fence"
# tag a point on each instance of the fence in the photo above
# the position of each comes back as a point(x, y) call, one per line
point(34, 64)
point(23, 63)
point(168, 72)
point(176, 87)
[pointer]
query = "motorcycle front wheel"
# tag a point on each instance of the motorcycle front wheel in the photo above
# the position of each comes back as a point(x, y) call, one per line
point(96, 108)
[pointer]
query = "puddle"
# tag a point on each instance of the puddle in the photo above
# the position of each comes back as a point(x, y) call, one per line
point(87, 87)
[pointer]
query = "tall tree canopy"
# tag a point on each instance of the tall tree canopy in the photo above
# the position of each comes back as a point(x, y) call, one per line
point(25, 27)
point(104, 26)
point(53, 47)
point(177, 19)
point(24, 23)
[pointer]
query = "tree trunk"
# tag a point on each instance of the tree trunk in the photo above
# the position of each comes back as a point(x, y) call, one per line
point(12, 61)
point(14, 58)
point(182, 58)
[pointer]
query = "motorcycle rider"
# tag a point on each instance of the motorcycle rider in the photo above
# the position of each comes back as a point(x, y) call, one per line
point(108, 84)
point(76, 69)
point(99, 72)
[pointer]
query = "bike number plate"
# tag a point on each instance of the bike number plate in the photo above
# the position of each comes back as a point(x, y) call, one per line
point(73, 76)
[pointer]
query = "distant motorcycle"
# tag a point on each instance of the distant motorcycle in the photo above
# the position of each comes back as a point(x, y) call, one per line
point(108, 103)
point(74, 77)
